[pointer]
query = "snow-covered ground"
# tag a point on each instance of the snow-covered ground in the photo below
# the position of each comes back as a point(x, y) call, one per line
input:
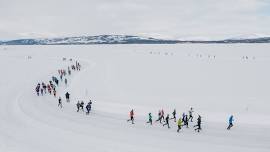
point(216, 80)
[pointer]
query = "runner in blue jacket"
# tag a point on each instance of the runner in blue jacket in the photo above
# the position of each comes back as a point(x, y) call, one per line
point(230, 122)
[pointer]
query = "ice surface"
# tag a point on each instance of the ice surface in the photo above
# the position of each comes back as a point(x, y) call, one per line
point(216, 80)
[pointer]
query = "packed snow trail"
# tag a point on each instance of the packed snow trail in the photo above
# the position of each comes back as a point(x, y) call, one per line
point(30, 123)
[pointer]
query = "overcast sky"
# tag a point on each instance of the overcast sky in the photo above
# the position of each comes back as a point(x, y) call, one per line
point(172, 19)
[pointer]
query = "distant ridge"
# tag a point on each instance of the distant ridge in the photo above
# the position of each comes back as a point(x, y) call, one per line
point(121, 39)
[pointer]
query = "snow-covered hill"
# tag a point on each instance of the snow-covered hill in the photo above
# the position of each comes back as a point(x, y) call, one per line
point(101, 39)
point(123, 39)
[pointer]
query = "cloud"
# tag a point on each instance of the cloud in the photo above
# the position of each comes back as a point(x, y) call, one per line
point(178, 19)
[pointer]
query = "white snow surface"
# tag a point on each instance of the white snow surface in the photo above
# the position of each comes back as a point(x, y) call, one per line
point(214, 79)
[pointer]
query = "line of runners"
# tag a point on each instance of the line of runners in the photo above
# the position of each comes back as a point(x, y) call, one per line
point(43, 88)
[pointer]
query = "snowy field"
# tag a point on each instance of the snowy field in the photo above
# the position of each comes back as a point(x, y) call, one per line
point(216, 80)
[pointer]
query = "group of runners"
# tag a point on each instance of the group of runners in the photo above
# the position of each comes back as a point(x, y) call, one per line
point(165, 121)
point(182, 121)
point(51, 88)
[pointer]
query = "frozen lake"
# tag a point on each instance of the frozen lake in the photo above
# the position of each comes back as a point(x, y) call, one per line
point(217, 80)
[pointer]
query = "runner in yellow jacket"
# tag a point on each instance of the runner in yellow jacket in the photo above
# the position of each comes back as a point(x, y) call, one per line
point(179, 124)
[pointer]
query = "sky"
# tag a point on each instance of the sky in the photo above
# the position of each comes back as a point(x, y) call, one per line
point(168, 19)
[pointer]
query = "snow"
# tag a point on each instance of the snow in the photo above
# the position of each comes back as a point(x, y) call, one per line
point(214, 79)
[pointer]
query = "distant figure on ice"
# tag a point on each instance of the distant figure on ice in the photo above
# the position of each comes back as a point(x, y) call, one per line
point(41, 91)
point(73, 67)
point(199, 121)
point(162, 115)
point(174, 115)
point(185, 120)
point(167, 121)
point(191, 114)
point(54, 92)
point(44, 87)
point(78, 66)
point(78, 106)
point(230, 122)
point(67, 96)
point(88, 107)
point(51, 84)
point(82, 105)
point(61, 77)
point(159, 116)
point(183, 116)
point(49, 89)
point(60, 102)
point(179, 124)
point(131, 115)
point(64, 72)
point(65, 81)
point(54, 79)
point(37, 89)
point(69, 71)
point(149, 118)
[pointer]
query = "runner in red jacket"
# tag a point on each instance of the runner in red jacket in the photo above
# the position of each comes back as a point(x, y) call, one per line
point(131, 115)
